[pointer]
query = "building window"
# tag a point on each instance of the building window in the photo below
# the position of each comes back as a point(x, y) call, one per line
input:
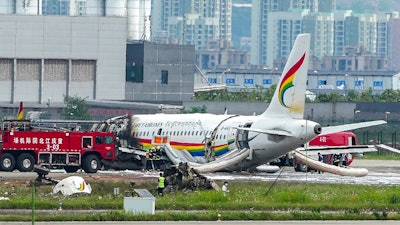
point(134, 73)
point(378, 83)
point(322, 82)
point(248, 81)
point(340, 83)
point(358, 83)
point(164, 76)
point(267, 81)
point(212, 80)
point(230, 80)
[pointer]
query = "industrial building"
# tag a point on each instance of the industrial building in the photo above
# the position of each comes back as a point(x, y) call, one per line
point(318, 81)
point(48, 57)
point(159, 72)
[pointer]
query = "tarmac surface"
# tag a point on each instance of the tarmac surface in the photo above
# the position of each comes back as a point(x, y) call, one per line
point(381, 172)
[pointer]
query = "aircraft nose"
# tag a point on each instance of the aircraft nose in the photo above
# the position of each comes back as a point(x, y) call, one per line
point(317, 129)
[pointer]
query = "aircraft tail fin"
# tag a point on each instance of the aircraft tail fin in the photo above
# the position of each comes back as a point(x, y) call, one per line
point(20, 115)
point(289, 96)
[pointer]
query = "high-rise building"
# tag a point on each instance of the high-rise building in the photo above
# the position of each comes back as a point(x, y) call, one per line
point(339, 31)
point(270, 28)
point(320, 25)
point(314, 5)
point(193, 22)
point(394, 45)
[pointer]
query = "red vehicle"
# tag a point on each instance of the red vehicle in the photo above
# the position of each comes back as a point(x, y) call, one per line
point(335, 139)
point(339, 139)
point(22, 147)
point(327, 145)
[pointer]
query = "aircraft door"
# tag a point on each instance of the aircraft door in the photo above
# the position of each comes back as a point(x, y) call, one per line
point(242, 136)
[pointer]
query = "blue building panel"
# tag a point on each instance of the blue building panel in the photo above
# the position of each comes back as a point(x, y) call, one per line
point(322, 82)
point(230, 80)
point(249, 81)
point(340, 83)
point(358, 83)
point(267, 81)
point(212, 80)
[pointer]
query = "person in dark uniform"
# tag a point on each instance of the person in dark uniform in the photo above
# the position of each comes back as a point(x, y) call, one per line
point(336, 159)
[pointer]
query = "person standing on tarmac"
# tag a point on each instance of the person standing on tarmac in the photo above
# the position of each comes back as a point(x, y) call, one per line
point(225, 188)
point(161, 185)
point(321, 160)
point(148, 160)
point(336, 159)
point(344, 159)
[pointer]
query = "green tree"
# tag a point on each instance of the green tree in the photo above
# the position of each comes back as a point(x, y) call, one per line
point(76, 108)
point(195, 109)
point(366, 96)
point(389, 95)
point(269, 93)
point(352, 95)
point(323, 97)
point(335, 97)
point(259, 93)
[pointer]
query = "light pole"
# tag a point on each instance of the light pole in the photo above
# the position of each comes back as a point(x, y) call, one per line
point(355, 115)
point(222, 74)
point(273, 69)
point(386, 116)
point(316, 74)
point(48, 106)
point(48, 103)
point(345, 84)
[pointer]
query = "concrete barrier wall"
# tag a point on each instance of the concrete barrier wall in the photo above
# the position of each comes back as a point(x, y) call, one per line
point(322, 112)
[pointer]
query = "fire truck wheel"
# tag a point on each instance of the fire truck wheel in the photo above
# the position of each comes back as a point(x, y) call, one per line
point(90, 164)
point(7, 162)
point(25, 162)
point(71, 169)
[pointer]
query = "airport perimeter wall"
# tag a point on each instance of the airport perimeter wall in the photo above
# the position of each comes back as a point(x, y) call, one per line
point(326, 113)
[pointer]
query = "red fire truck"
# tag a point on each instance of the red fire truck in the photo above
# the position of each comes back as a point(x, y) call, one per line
point(339, 139)
point(336, 139)
point(22, 147)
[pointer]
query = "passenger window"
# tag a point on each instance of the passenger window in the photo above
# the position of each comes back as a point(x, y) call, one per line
point(87, 142)
point(108, 140)
point(99, 140)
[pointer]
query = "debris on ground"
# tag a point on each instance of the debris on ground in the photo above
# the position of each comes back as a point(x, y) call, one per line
point(42, 175)
point(183, 177)
point(72, 185)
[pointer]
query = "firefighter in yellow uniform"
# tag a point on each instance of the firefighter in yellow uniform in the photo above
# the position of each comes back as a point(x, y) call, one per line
point(161, 184)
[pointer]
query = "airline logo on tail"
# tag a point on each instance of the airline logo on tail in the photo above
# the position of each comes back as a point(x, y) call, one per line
point(287, 81)
point(20, 115)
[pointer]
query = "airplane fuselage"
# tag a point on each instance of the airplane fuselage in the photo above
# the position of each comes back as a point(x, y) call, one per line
point(191, 131)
